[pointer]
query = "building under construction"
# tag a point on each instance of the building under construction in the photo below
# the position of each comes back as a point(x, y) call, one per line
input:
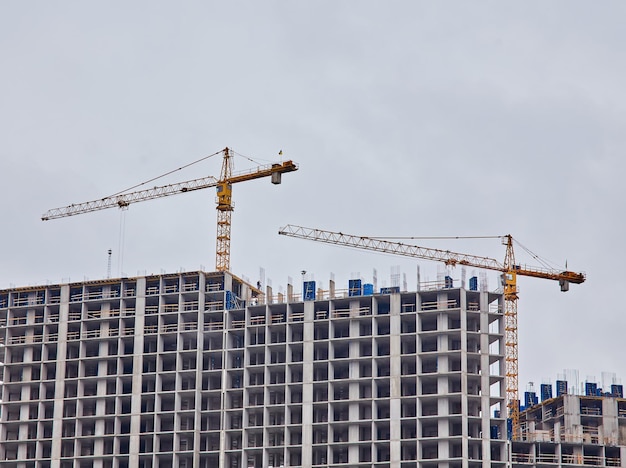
point(573, 430)
point(205, 370)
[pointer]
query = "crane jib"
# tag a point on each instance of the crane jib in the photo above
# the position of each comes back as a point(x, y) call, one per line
point(407, 250)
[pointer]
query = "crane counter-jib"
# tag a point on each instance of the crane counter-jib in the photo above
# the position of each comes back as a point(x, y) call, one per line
point(570, 276)
point(263, 171)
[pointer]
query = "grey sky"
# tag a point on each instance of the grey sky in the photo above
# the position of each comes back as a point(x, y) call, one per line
point(407, 119)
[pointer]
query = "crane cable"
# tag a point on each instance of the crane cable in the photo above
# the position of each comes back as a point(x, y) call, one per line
point(545, 263)
point(179, 169)
point(434, 237)
point(122, 229)
point(255, 161)
point(165, 174)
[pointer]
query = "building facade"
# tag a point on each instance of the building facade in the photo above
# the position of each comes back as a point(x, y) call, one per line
point(572, 430)
point(203, 370)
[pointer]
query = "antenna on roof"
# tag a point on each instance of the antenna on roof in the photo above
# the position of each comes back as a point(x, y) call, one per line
point(109, 264)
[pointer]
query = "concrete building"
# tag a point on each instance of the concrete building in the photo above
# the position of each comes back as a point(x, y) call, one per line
point(572, 430)
point(202, 370)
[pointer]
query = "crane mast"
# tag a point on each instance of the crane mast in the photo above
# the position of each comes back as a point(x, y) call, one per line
point(510, 336)
point(224, 213)
point(509, 268)
point(224, 198)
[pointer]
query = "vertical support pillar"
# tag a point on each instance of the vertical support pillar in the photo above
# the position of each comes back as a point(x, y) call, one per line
point(59, 384)
point(135, 401)
point(269, 295)
point(395, 372)
point(307, 383)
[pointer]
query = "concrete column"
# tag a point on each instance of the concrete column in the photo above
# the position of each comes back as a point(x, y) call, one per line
point(269, 295)
point(610, 425)
point(59, 384)
point(135, 402)
point(485, 389)
point(395, 361)
point(307, 381)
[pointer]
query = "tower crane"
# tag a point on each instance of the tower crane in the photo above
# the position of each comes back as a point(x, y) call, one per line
point(224, 198)
point(510, 269)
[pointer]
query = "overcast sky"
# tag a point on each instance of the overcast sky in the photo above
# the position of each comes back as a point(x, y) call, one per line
point(407, 118)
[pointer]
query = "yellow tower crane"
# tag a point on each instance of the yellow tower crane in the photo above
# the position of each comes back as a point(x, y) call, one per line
point(509, 269)
point(224, 198)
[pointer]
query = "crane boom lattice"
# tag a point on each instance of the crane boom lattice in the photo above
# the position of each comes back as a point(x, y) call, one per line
point(124, 200)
